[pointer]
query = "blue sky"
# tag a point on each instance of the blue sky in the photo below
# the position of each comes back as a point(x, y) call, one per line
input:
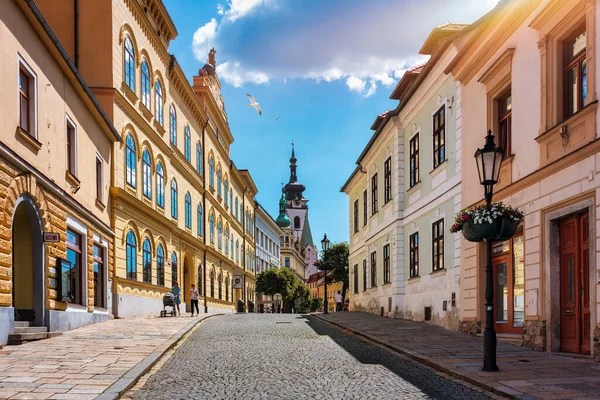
point(325, 67)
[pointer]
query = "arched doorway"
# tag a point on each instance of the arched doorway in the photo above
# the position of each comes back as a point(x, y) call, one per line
point(28, 268)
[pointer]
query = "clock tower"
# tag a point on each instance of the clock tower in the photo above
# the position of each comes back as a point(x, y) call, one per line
point(297, 207)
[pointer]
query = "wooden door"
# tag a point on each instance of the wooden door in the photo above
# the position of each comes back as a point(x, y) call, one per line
point(574, 284)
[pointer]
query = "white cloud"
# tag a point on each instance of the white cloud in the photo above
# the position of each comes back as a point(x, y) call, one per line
point(355, 84)
point(233, 73)
point(220, 9)
point(202, 36)
point(241, 8)
point(372, 88)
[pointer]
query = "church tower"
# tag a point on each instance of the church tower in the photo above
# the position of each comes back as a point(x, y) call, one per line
point(297, 207)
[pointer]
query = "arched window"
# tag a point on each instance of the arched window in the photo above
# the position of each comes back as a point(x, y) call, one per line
point(147, 260)
point(188, 144)
point(131, 256)
point(174, 199)
point(220, 235)
point(230, 202)
point(211, 172)
point(173, 125)
point(199, 160)
point(226, 191)
point(129, 64)
point(200, 279)
point(130, 160)
point(212, 283)
point(147, 174)
point(160, 265)
point(145, 85)
point(237, 251)
point(296, 222)
point(236, 207)
point(212, 228)
point(158, 102)
point(173, 268)
point(160, 185)
point(219, 182)
point(200, 220)
point(188, 211)
point(221, 286)
point(241, 212)
point(227, 288)
point(227, 240)
point(232, 245)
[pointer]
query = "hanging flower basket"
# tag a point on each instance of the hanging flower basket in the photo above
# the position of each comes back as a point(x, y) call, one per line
point(496, 222)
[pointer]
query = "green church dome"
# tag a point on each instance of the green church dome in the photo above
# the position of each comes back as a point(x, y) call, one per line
point(283, 221)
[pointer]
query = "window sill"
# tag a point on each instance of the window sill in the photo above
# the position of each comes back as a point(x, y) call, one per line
point(159, 128)
point(145, 111)
point(440, 272)
point(147, 201)
point(33, 142)
point(130, 94)
point(131, 190)
point(387, 203)
point(439, 168)
point(414, 187)
point(387, 284)
point(100, 205)
point(414, 279)
point(211, 189)
point(160, 210)
point(219, 198)
point(72, 179)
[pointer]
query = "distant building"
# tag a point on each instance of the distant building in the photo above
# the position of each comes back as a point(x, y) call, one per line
point(266, 240)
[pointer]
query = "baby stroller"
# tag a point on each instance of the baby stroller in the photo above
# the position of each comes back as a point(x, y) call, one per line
point(168, 301)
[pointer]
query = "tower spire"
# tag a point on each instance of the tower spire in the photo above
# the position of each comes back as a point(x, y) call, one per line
point(294, 188)
point(293, 159)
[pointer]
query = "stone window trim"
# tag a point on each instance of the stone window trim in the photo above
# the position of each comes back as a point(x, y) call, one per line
point(552, 35)
point(413, 161)
point(498, 81)
point(102, 244)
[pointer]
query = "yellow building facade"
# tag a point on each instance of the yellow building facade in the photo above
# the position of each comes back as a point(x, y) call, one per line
point(179, 201)
point(56, 239)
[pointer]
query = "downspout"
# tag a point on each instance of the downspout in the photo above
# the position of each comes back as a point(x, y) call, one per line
point(204, 217)
point(76, 32)
point(254, 236)
point(244, 242)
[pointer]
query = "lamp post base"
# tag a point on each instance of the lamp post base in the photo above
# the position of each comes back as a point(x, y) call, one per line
point(489, 351)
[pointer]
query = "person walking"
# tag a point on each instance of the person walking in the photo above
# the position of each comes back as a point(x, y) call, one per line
point(339, 300)
point(177, 293)
point(194, 299)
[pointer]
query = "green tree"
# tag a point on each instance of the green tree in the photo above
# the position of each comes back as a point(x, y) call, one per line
point(316, 304)
point(335, 261)
point(283, 281)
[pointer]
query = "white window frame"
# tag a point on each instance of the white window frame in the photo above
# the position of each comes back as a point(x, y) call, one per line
point(33, 105)
point(100, 193)
point(82, 230)
point(69, 121)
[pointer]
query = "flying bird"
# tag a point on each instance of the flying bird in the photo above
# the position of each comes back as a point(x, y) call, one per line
point(254, 104)
point(276, 118)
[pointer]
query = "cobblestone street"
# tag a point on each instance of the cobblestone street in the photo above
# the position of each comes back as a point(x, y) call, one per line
point(291, 357)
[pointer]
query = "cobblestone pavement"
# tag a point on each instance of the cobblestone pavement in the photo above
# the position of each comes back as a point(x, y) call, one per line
point(291, 357)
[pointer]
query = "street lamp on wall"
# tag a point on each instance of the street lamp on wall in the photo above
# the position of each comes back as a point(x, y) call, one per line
point(489, 160)
point(325, 246)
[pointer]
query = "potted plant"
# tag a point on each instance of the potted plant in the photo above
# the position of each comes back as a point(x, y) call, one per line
point(496, 222)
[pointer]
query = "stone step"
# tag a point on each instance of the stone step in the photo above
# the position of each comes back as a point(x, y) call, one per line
point(20, 338)
point(21, 324)
point(514, 339)
point(30, 329)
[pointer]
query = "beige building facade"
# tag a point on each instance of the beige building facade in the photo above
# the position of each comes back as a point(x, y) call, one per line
point(531, 67)
point(181, 207)
point(56, 156)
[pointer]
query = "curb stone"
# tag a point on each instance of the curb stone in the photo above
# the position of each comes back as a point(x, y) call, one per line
point(126, 382)
point(482, 383)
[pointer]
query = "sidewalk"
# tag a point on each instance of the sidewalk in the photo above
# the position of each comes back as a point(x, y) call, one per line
point(97, 361)
point(524, 374)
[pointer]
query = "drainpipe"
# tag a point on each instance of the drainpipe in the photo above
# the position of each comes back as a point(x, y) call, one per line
point(244, 242)
point(254, 257)
point(204, 216)
point(76, 32)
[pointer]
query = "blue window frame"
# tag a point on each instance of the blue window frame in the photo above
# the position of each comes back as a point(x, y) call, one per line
point(226, 191)
point(173, 125)
point(219, 182)
point(158, 102)
point(220, 235)
point(173, 268)
point(227, 240)
point(188, 144)
point(231, 204)
point(212, 227)
point(129, 64)
point(147, 261)
point(160, 265)
point(211, 172)
point(188, 211)
point(200, 220)
point(160, 185)
point(130, 160)
point(147, 174)
point(232, 245)
point(236, 208)
point(237, 251)
point(174, 199)
point(145, 85)
point(131, 256)
point(199, 160)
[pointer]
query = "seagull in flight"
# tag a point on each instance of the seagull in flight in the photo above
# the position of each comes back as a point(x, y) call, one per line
point(276, 118)
point(254, 104)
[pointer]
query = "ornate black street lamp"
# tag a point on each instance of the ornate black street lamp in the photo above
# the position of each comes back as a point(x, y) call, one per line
point(325, 247)
point(489, 160)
